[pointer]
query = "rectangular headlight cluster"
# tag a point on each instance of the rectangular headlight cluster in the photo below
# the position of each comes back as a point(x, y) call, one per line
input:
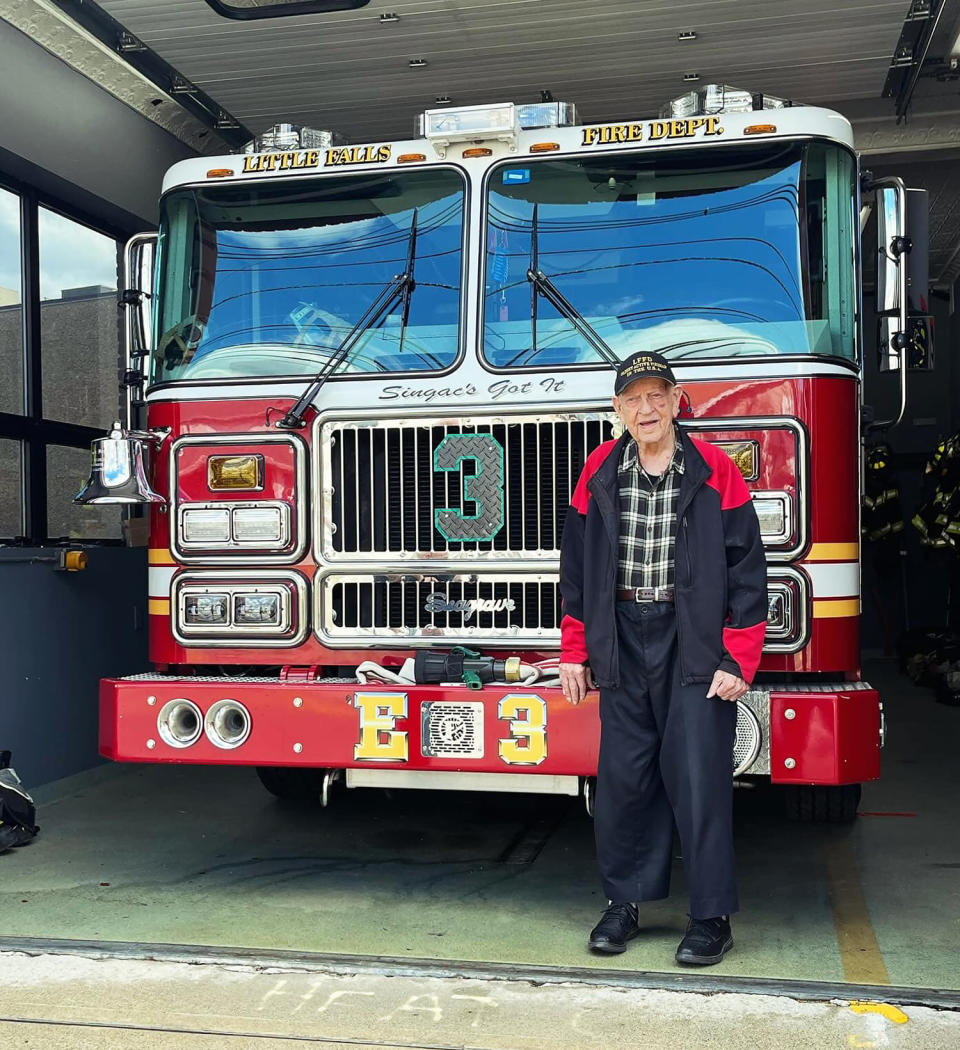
point(234, 608)
point(786, 613)
point(775, 513)
point(234, 526)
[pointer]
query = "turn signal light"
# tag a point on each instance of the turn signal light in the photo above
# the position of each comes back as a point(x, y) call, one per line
point(478, 151)
point(219, 173)
point(235, 473)
point(760, 129)
point(411, 158)
point(544, 147)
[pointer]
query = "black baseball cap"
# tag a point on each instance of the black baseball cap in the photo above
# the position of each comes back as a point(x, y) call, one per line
point(643, 365)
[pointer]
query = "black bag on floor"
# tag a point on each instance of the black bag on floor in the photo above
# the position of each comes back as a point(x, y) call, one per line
point(18, 813)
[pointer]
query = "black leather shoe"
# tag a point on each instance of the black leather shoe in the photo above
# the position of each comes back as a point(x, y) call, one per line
point(617, 926)
point(706, 942)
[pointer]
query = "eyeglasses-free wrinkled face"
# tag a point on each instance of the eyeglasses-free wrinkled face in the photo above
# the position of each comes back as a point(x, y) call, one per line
point(647, 408)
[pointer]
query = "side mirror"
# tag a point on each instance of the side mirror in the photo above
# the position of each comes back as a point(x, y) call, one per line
point(136, 300)
point(902, 275)
point(891, 238)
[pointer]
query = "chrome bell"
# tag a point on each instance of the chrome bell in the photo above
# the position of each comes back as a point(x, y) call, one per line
point(118, 474)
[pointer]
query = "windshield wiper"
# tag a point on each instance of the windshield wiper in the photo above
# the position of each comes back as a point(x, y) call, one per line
point(542, 285)
point(399, 290)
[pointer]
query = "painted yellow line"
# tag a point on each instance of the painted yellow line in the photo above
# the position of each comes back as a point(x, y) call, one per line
point(859, 952)
point(827, 608)
point(159, 556)
point(887, 1010)
point(833, 552)
point(158, 606)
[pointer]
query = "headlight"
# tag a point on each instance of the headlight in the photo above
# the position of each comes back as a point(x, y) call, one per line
point(261, 526)
point(778, 612)
point(214, 608)
point(786, 612)
point(261, 609)
point(257, 523)
point(774, 511)
point(206, 608)
point(206, 526)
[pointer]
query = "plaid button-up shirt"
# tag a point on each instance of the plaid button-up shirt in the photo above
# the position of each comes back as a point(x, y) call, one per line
point(648, 512)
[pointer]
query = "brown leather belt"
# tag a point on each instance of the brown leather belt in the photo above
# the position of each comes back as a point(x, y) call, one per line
point(645, 594)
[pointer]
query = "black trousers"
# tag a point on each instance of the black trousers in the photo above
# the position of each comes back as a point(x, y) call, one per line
point(666, 755)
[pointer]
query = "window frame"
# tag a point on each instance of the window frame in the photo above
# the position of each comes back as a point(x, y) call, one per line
point(34, 432)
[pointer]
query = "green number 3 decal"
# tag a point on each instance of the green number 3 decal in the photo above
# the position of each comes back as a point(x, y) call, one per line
point(485, 488)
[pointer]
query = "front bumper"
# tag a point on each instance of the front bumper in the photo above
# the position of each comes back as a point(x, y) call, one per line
point(821, 734)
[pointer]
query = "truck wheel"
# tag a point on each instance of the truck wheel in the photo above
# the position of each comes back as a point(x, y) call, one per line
point(292, 784)
point(822, 803)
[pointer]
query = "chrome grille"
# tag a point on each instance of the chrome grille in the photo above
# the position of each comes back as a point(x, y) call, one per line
point(746, 746)
point(419, 609)
point(381, 490)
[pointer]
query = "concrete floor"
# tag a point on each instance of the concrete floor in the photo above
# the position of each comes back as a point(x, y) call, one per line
point(56, 1003)
point(204, 857)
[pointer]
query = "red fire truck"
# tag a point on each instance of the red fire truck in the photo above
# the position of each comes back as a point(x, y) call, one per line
point(370, 380)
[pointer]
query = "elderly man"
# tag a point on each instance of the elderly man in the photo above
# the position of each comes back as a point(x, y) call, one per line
point(664, 589)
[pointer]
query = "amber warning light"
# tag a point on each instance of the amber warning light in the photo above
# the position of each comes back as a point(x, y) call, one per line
point(235, 473)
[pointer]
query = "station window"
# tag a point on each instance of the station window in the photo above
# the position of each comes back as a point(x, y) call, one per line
point(59, 355)
point(11, 311)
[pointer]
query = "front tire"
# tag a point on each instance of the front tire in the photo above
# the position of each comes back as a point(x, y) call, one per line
point(292, 784)
point(822, 803)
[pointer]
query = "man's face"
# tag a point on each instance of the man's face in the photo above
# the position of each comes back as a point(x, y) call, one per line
point(647, 408)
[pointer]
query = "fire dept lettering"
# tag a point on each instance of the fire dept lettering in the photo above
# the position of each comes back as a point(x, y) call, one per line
point(341, 155)
point(691, 127)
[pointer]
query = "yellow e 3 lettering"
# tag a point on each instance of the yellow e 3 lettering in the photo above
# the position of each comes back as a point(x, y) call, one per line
point(380, 740)
point(527, 715)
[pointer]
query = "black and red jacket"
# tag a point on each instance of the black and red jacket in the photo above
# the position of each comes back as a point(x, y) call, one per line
point(720, 577)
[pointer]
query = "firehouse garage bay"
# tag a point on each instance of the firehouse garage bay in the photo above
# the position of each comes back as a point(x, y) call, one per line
point(362, 370)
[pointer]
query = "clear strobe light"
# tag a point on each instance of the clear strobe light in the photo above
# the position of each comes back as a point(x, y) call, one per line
point(719, 98)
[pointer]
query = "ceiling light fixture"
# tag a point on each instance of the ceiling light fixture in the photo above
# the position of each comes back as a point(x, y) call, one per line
point(417, 63)
point(691, 78)
point(181, 86)
point(128, 43)
point(443, 100)
point(687, 35)
point(389, 16)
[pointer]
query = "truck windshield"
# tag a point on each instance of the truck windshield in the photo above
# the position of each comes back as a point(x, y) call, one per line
point(698, 253)
point(267, 279)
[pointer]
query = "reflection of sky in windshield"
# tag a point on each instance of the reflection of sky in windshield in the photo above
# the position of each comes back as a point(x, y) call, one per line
point(285, 281)
point(649, 259)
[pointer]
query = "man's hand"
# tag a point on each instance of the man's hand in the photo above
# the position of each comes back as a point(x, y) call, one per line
point(575, 681)
point(725, 686)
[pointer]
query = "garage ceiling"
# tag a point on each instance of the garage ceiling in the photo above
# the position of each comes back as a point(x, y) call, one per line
point(616, 58)
point(350, 71)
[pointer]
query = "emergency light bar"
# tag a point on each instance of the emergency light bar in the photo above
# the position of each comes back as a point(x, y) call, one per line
point(720, 98)
point(496, 122)
point(283, 137)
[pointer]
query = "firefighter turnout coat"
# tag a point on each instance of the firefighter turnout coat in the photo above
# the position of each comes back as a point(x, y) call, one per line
point(720, 576)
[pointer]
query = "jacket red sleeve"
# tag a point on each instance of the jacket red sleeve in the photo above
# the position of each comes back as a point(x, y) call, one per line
point(573, 646)
point(746, 624)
